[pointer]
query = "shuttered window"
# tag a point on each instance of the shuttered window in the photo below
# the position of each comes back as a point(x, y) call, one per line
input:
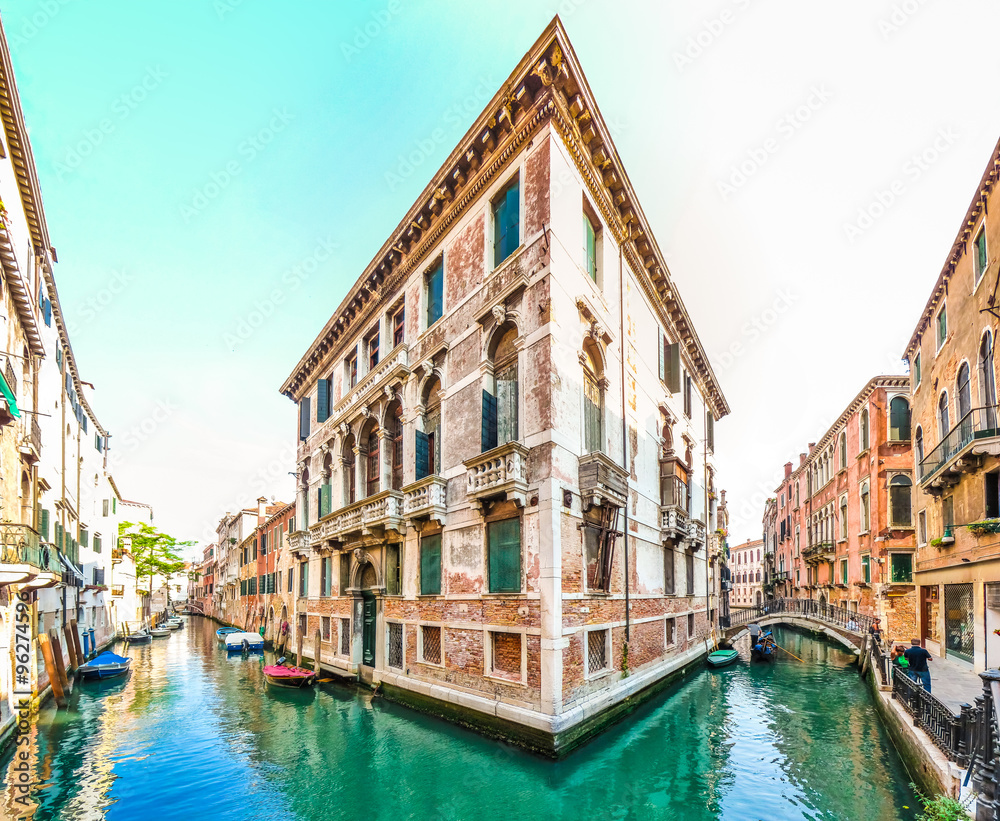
point(350, 478)
point(507, 404)
point(393, 570)
point(435, 293)
point(430, 565)
point(345, 572)
point(590, 247)
point(489, 427)
point(398, 327)
point(373, 465)
point(593, 412)
point(900, 500)
point(505, 556)
point(506, 222)
point(672, 365)
point(689, 567)
point(303, 579)
point(710, 430)
point(396, 434)
point(326, 576)
point(899, 419)
point(325, 500)
point(43, 524)
point(942, 326)
point(323, 389)
point(980, 256)
point(668, 572)
point(304, 417)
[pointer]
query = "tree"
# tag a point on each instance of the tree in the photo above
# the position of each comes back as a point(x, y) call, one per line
point(154, 552)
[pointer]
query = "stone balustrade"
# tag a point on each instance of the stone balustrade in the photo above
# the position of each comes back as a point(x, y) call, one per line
point(500, 472)
point(426, 499)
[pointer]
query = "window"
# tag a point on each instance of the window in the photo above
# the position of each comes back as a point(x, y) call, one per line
point(866, 569)
point(325, 576)
point(916, 370)
point(395, 649)
point(427, 458)
point(670, 362)
point(434, 288)
point(669, 632)
point(323, 396)
point(668, 571)
point(843, 519)
point(899, 419)
point(864, 430)
point(843, 450)
point(505, 649)
point(373, 469)
point(430, 644)
point(500, 416)
point(979, 258)
point(345, 636)
point(430, 565)
point(345, 573)
point(900, 568)
point(710, 433)
point(506, 222)
point(964, 392)
point(398, 322)
point(371, 347)
point(590, 235)
point(690, 626)
point(865, 508)
point(943, 421)
point(325, 627)
point(393, 570)
point(304, 418)
point(504, 548)
point(597, 650)
point(97, 544)
point(687, 395)
point(593, 406)
point(290, 580)
point(992, 506)
point(303, 579)
point(918, 441)
point(900, 500)
point(942, 326)
point(396, 445)
point(987, 382)
point(689, 568)
point(350, 471)
point(351, 370)
point(843, 571)
point(922, 527)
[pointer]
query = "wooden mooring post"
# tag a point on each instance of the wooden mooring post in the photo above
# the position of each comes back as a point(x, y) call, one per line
point(75, 660)
point(316, 664)
point(58, 656)
point(298, 660)
point(50, 668)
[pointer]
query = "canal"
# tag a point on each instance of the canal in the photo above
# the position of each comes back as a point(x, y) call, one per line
point(195, 735)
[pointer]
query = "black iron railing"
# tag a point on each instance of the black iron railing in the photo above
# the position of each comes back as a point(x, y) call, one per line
point(979, 423)
point(831, 614)
point(950, 732)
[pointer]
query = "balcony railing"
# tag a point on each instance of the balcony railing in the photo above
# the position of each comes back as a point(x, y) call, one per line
point(117, 590)
point(426, 499)
point(977, 425)
point(502, 471)
point(819, 552)
point(19, 544)
point(31, 441)
point(377, 513)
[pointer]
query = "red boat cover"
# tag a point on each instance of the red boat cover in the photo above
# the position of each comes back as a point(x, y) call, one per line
point(286, 672)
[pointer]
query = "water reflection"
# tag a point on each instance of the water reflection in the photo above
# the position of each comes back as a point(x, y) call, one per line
point(193, 733)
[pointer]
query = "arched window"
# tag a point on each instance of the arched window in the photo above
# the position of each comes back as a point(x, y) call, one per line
point(843, 450)
point(593, 403)
point(427, 459)
point(865, 508)
point(303, 517)
point(325, 496)
point(500, 422)
point(758, 575)
point(394, 424)
point(899, 419)
point(943, 422)
point(843, 518)
point(350, 477)
point(372, 466)
point(864, 429)
point(900, 500)
point(964, 391)
point(987, 380)
point(918, 443)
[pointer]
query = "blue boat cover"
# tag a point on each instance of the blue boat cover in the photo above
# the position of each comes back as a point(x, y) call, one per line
point(107, 657)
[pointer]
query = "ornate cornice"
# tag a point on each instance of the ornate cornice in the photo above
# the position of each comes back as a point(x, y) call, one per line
point(547, 85)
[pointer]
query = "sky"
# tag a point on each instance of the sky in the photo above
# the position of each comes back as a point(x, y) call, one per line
point(216, 174)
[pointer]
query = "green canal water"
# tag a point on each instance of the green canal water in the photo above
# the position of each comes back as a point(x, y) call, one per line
point(193, 734)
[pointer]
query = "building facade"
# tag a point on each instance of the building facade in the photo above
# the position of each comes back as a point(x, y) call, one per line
point(746, 562)
point(480, 424)
point(843, 521)
point(952, 358)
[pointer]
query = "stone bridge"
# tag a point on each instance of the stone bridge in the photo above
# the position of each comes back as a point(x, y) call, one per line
point(837, 623)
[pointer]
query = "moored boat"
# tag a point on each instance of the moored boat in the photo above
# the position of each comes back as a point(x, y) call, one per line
point(142, 637)
point(159, 632)
point(281, 676)
point(763, 648)
point(105, 665)
point(244, 643)
point(723, 657)
point(222, 632)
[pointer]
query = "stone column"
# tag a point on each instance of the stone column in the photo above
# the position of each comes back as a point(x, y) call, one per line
point(384, 459)
point(360, 464)
point(553, 644)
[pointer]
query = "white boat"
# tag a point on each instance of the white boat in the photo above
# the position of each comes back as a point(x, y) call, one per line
point(173, 625)
point(248, 642)
point(159, 632)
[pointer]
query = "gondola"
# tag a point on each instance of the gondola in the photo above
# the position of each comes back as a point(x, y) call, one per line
point(763, 648)
point(105, 665)
point(723, 658)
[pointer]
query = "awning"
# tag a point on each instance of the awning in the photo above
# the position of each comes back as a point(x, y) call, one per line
point(72, 568)
point(8, 394)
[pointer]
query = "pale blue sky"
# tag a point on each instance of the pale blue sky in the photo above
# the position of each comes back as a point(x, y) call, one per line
point(191, 154)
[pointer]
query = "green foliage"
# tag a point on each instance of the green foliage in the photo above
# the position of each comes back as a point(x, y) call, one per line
point(154, 552)
point(936, 542)
point(624, 659)
point(939, 808)
point(985, 527)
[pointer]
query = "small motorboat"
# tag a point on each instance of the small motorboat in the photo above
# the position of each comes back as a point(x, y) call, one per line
point(281, 676)
point(159, 632)
point(723, 657)
point(105, 665)
point(142, 637)
point(173, 625)
point(244, 642)
point(222, 632)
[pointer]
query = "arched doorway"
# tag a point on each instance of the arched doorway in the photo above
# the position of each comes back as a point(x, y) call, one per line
point(760, 599)
point(369, 581)
point(822, 599)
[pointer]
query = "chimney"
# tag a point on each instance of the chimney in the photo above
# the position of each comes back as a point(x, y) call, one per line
point(802, 459)
point(722, 498)
point(261, 509)
point(788, 470)
point(811, 446)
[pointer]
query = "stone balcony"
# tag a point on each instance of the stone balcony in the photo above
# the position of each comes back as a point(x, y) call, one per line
point(677, 526)
point(21, 557)
point(602, 481)
point(298, 543)
point(819, 552)
point(426, 499)
point(373, 515)
point(961, 451)
point(499, 473)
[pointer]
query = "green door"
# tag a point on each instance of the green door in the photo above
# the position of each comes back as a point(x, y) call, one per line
point(368, 633)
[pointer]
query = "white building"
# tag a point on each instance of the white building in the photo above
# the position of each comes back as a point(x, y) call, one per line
point(746, 563)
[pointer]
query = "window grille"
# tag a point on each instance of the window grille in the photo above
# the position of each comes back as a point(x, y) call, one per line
point(597, 650)
point(431, 644)
point(395, 645)
point(345, 637)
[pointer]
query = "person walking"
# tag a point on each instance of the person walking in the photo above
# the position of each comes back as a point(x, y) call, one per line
point(917, 657)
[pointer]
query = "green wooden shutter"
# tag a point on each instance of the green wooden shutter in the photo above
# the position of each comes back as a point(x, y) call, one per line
point(44, 525)
point(430, 565)
point(499, 230)
point(325, 499)
point(489, 432)
point(672, 353)
point(435, 294)
point(422, 455)
point(97, 544)
point(513, 218)
point(505, 556)
point(710, 427)
point(323, 400)
point(304, 418)
point(392, 580)
point(590, 247)
point(345, 572)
